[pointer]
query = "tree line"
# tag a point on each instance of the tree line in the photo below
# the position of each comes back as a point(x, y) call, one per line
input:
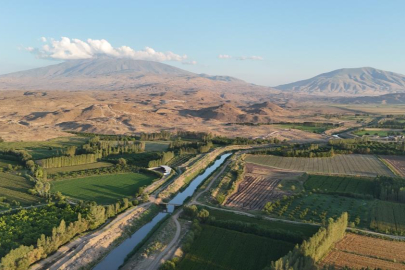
point(166, 157)
point(63, 161)
point(163, 135)
point(16, 155)
point(89, 217)
point(305, 256)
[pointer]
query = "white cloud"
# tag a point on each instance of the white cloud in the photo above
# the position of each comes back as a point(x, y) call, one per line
point(253, 57)
point(224, 56)
point(67, 49)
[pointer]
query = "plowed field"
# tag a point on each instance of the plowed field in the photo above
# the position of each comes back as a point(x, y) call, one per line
point(357, 251)
point(259, 186)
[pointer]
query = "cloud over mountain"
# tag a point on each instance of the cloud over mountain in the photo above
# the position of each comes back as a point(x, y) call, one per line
point(74, 49)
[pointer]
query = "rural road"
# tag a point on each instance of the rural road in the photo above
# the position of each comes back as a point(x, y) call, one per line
point(167, 251)
point(66, 252)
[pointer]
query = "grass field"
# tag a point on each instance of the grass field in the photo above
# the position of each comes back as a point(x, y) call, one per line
point(303, 127)
point(365, 165)
point(340, 184)
point(218, 249)
point(103, 189)
point(306, 230)
point(378, 132)
point(45, 149)
point(319, 207)
point(15, 187)
point(158, 146)
point(96, 165)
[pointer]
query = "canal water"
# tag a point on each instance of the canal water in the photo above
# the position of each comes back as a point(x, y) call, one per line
point(117, 256)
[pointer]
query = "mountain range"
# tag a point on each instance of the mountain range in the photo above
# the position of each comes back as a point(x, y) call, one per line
point(128, 74)
point(349, 82)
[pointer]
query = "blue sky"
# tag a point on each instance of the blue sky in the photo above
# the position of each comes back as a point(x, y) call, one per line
point(295, 39)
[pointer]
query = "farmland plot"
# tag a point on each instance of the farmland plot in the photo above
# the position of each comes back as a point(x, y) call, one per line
point(388, 217)
point(259, 186)
point(103, 189)
point(15, 188)
point(357, 251)
point(319, 207)
point(397, 162)
point(340, 184)
point(365, 165)
point(96, 165)
point(218, 249)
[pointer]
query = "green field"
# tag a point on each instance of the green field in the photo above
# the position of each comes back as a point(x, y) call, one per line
point(15, 187)
point(303, 127)
point(306, 230)
point(340, 184)
point(96, 165)
point(319, 207)
point(138, 159)
point(218, 248)
point(103, 189)
point(4, 163)
point(158, 146)
point(45, 149)
point(364, 165)
point(378, 132)
point(388, 217)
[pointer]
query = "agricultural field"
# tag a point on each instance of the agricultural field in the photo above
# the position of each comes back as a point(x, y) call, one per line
point(397, 162)
point(357, 251)
point(260, 185)
point(15, 188)
point(388, 217)
point(103, 189)
point(340, 184)
point(378, 132)
point(96, 165)
point(305, 229)
point(179, 160)
point(319, 130)
point(156, 146)
point(319, 207)
point(4, 163)
point(138, 159)
point(362, 165)
point(45, 149)
point(218, 249)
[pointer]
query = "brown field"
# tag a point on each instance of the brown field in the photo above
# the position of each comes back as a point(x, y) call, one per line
point(398, 162)
point(357, 251)
point(259, 186)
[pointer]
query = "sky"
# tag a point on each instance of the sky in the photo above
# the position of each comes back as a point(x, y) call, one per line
point(262, 42)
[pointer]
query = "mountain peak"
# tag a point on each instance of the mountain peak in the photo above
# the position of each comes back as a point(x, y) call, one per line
point(100, 66)
point(350, 81)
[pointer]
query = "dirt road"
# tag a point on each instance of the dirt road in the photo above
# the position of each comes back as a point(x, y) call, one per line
point(163, 256)
point(83, 250)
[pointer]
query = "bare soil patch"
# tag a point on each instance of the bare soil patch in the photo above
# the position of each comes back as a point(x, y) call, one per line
point(358, 251)
point(397, 162)
point(260, 185)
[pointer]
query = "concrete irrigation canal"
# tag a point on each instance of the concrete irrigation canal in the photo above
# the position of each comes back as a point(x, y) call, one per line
point(117, 256)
